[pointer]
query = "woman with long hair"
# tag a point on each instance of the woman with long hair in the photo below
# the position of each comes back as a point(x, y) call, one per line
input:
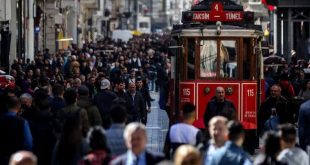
point(305, 91)
point(271, 149)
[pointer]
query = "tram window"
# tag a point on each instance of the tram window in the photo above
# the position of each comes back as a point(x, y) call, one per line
point(208, 56)
point(191, 59)
point(246, 60)
point(228, 59)
point(249, 64)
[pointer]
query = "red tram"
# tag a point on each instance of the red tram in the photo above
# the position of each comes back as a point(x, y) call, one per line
point(217, 44)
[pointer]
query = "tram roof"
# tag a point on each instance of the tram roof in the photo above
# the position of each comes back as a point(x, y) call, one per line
point(227, 4)
point(217, 18)
point(211, 31)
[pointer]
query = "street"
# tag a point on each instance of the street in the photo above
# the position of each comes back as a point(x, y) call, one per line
point(157, 126)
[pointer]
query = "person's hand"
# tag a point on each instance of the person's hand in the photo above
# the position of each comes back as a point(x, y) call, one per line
point(143, 120)
point(148, 109)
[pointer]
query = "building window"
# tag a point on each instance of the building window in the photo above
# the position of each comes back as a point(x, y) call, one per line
point(143, 25)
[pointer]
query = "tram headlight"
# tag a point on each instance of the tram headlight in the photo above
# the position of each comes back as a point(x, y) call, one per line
point(218, 27)
point(229, 90)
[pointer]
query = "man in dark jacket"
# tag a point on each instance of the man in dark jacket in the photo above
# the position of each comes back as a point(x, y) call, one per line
point(92, 86)
point(58, 101)
point(104, 100)
point(15, 131)
point(71, 108)
point(162, 83)
point(28, 111)
point(135, 105)
point(219, 106)
point(85, 102)
point(43, 132)
point(119, 88)
point(145, 93)
point(304, 125)
point(274, 105)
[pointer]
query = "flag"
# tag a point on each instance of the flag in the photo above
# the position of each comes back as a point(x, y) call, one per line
point(270, 4)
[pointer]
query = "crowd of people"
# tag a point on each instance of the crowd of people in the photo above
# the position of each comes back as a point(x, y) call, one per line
point(287, 88)
point(90, 106)
point(73, 105)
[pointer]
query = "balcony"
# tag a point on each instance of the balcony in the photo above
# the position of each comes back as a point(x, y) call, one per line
point(258, 8)
point(294, 3)
point(92, 4)
point(255, 2)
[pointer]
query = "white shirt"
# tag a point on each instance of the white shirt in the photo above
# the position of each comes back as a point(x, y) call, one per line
point(210, 151)
point(183, 133)
point(294, 156)
point(134, 160)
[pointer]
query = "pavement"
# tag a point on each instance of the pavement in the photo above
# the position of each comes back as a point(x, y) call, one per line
point(157, 126)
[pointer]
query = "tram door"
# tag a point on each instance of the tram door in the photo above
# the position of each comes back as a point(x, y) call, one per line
point(203, 63)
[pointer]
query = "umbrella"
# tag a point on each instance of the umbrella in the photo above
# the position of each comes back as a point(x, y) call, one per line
point(273, 60)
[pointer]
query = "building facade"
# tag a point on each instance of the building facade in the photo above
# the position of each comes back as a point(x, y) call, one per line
point(293, 28)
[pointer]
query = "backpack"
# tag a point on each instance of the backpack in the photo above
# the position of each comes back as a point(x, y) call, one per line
point(60, 118)
point(285, 91)
point(272, 123)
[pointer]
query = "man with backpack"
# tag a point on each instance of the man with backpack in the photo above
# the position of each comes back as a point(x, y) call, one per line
point(70, 97)
point(92, 110)
point(273, 110)
point(287, 89)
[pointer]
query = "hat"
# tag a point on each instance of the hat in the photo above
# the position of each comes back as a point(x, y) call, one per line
point(105, 84)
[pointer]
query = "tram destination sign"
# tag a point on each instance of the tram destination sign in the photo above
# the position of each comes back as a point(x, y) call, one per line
point(216, 14)
point(230, 16)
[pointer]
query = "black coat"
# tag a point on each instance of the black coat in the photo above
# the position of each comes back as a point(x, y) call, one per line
point(136, 109)
point(146, 95)
point(103, 100)
point(281, 107)
point(151, 159)
point(12, 136)
point(162, 77)
point(215, 108)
